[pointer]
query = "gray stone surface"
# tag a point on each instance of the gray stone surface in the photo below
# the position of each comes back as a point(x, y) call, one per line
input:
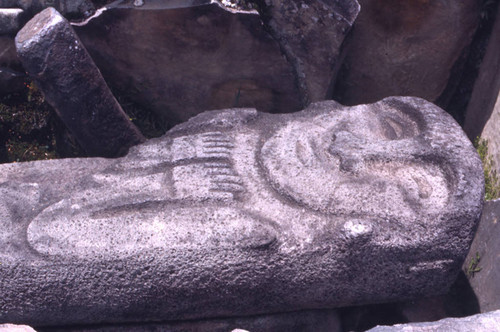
point(482, 265)
point(179, 62)
point(11, 20)
point(404, 48)
point(325, 320)
point(311, 34)
point(241, 213)
point(486, 322)
point(15, 328)
point(56, 59)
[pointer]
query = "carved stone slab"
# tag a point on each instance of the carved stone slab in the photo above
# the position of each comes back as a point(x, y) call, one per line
point(239, 213)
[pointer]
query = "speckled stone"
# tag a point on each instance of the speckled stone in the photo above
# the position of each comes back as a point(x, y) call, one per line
point(238, 212)
point(487, 322)
point(57, 61)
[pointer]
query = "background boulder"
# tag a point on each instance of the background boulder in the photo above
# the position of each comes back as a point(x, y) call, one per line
point(404, 48)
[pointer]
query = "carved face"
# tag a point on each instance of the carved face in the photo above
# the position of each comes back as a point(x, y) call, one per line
point(354, 161)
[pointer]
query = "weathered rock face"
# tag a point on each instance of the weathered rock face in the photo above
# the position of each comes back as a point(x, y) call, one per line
point(239, 213)
point(404, 48)
point(55, 58)
point(13, 15)
point(488, 322)
point(311, 34)
point(482, 265)
point(180, 62)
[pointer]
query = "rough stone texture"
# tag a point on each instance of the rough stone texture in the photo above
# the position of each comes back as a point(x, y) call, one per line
point(11, 20)
point(483, 112)
point(56, 59)
point(311, 33)
point(487, 322)
point(301, 321)
point(404, 48)
point(179, 62)
point(486, 246)
point(240, 213)
point(15, 328)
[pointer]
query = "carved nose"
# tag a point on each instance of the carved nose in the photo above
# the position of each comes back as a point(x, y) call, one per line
point(348, 148)
point(349, 164)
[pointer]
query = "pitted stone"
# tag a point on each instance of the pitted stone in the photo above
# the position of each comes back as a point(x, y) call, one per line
point(56, 59)
point(238, 212)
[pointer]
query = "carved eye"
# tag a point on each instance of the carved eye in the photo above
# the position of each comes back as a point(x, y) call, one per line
point(334, 138)
point(392, 129)
point(395, 127)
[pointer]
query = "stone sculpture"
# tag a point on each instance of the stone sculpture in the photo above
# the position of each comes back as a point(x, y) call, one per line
point(239, 213)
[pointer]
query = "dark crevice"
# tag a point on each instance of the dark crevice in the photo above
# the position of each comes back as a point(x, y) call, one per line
point(456, 96)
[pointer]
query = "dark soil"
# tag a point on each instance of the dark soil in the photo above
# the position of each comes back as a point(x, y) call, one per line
point(31, 130)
